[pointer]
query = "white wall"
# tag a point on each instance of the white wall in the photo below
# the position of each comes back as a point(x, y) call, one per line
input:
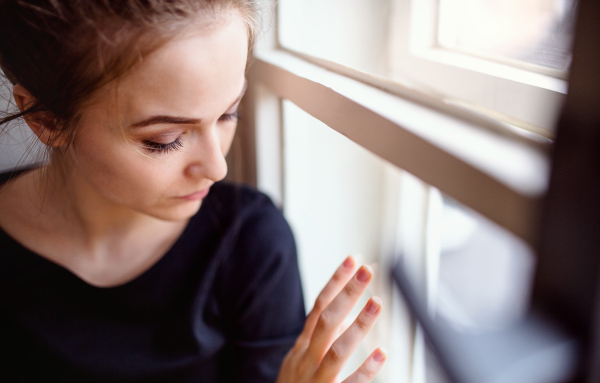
point(18, 145)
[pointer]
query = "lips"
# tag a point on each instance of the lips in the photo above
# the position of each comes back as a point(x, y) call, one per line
point(196, 196)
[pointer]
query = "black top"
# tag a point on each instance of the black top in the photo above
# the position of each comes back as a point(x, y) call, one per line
point(224, 304)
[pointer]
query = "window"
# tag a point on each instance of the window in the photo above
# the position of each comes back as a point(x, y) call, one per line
point(527, 96)
point(416, 43)
point(535, 34)
point(379, 135)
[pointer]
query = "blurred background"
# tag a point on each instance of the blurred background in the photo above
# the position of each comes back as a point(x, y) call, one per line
point(503, 59)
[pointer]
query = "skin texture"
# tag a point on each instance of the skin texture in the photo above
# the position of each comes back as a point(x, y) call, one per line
point(203, 84)
point(319, 353)
point(110, 205)
point(110, 208)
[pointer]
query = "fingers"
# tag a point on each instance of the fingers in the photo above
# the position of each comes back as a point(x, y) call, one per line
point(332, 317)
point(346, 344)
point(367, 371)
point(333, 287)
point(344, 326)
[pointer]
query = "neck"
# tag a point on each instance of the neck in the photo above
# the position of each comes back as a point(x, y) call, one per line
point(54, 212)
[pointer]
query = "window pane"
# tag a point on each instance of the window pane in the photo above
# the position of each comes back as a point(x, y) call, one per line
point(349, 32)
point(512, 71)
point(341, 199)
point(532, 31)
point(485, 272)
point(334, 200)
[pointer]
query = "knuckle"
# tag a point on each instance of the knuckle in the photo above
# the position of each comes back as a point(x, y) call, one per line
point(337, 277)
point(320, 304)
point(335, 354)
point(351, 289)
point(362, 323)
point(325, 322)
point(360, 376)
point(365, 374)
point(341, 276)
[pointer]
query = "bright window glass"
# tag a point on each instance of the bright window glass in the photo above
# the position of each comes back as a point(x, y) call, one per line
point(505, 59)
point(532, 31)
point(350, 32)
point(334, 200)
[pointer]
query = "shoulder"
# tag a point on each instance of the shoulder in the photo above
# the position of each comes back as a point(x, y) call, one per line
point(263, 251)
point(257, 294)
point(251, 233)
point(248, 211)
point(226, 196)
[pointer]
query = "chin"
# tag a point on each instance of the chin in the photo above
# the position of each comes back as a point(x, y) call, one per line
point(179, 212)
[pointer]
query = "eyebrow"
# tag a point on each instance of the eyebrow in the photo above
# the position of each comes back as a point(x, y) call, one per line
point(164, 119)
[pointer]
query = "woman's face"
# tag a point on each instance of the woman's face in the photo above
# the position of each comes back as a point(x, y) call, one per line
point(156, 141)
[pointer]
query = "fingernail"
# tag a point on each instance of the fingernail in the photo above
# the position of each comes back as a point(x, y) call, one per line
point(349, 262)
point(373, 305)
point(379, 355)
point(363, 274)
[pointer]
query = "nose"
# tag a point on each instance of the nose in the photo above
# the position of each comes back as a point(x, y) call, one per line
point(207, 157)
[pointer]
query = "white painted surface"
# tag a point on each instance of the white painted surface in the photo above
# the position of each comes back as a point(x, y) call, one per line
point(414, 56)
point(499, 175)
point(269, 144)
point(18, 145)
point(514, 163)
point(333, 201)
point(350, 32)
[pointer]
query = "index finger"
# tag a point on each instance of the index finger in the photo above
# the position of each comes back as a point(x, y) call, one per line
point(337, 282)
point(338, 309)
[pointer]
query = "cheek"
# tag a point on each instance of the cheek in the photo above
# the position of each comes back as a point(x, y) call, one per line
point(118, 171)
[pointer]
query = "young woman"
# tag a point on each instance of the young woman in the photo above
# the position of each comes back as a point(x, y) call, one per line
point(124, 259)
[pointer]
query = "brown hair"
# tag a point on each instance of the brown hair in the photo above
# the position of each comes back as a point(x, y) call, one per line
point(64, 51)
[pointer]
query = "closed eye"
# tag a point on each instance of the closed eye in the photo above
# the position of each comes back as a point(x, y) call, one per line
point(157, 147)
point(230, 116)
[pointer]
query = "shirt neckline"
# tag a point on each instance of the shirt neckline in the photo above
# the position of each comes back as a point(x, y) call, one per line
point(40, 259)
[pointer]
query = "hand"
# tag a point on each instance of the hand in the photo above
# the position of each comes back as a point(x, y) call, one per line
point(317, 356)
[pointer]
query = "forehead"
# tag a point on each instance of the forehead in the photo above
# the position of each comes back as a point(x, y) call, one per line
point(194, 76)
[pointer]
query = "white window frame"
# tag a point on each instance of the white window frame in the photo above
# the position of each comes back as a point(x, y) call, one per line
point(507, 93)
point(432, 144)
point(403, 125)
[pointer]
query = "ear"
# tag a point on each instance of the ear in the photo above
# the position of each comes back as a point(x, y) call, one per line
point(38, 122)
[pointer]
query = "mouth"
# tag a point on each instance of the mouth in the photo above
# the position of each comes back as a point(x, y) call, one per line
point(196, 196)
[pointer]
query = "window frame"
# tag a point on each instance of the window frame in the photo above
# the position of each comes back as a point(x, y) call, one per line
point(309, 82)
point(507, 93)
point(339, 102)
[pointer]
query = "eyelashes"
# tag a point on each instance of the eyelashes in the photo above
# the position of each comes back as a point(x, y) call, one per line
point(157, 147)
point(230, 116)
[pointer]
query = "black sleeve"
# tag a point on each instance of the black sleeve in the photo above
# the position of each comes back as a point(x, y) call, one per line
point(261, 296)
